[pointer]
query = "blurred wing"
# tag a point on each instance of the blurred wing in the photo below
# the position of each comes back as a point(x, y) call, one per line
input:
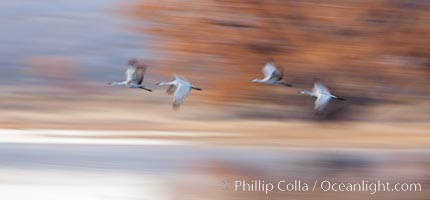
point(181, 93)
point(181, 79)
point(139, 74)
point(171, 89)
point(319, 87)
point(322, 102)
point(129, 74)
point(277, 75)
point(268, 70)
point(271, 72)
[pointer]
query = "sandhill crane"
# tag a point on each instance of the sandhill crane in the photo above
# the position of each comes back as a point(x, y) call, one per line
point(134, 75)
point(272, 75)
point(323, 95)
point(180, 88)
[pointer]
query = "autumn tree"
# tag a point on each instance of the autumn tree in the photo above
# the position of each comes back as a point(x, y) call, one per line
point(222, 44)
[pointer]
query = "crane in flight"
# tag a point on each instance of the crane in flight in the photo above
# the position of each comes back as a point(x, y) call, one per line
point(180, 88)
point(322, 94)
point(272, 75)
point(135, 73)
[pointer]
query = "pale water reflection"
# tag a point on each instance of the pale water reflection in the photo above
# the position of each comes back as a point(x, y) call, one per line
point(50, 171)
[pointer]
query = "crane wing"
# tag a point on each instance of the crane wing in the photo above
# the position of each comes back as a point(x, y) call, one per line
point(181, 79)
point(139, 74)
point(129, 73)
point(171, 89)
point(181, 93)
point(321, 102)
point(319, 87)
point(270, 71)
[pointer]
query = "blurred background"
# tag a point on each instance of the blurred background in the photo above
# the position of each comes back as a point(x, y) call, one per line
point(61, 124)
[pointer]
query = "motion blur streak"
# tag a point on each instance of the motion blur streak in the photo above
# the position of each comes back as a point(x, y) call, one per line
point(49, 171)
point(338, 41)
point(66, 134)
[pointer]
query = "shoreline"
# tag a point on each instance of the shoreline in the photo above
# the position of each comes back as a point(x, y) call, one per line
point(280, 135)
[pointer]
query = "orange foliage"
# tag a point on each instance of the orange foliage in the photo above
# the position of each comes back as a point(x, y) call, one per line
point(222, 44)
